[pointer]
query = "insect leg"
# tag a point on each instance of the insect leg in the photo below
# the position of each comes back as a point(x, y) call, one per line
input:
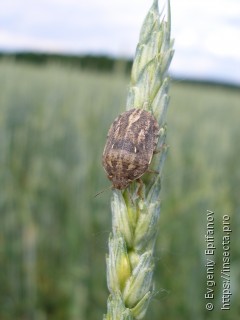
point(140, 188)
point(152, 171)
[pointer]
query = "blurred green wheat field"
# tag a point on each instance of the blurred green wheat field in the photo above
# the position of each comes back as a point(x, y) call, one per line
point(53, 232)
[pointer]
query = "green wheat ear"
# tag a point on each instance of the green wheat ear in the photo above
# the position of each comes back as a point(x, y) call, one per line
point(130, 260)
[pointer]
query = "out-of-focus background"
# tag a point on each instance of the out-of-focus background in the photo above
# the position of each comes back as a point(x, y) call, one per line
point(64, 73)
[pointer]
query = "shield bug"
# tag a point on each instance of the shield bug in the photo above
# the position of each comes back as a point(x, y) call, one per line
point(131, 142)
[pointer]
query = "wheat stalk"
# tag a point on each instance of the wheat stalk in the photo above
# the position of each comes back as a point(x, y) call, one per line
point(130, 261)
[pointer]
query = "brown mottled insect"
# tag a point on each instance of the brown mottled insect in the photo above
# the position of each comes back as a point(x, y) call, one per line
point(131, 142)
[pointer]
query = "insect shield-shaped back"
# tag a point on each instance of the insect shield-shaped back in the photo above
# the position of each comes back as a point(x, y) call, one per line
point(131, 141)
